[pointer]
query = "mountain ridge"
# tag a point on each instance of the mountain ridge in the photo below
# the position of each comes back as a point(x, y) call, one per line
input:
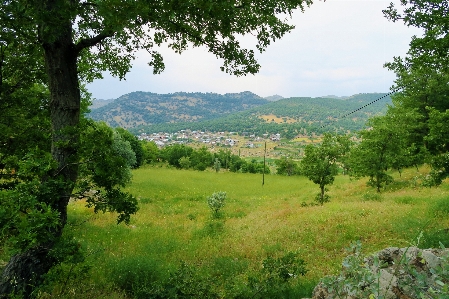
point(145, 108)
point(291, 117)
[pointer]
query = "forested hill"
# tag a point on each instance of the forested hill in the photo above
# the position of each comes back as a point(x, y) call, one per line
point(291, 116)
point(145, 108)
point(322, 109)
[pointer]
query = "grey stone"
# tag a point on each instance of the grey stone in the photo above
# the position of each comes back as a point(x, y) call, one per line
point(393, 277)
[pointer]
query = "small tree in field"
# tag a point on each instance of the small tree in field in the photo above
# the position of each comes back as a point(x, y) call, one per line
point(216, 201)
point(383, 147)
point(320, 162)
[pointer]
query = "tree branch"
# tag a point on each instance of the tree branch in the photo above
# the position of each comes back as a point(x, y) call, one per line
point(89, 42)
point(89, 4)
point(69, 164)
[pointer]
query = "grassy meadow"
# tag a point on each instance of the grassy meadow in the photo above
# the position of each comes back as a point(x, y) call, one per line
point(174, 226)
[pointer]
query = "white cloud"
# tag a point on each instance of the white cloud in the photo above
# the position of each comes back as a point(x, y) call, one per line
point(338, 47)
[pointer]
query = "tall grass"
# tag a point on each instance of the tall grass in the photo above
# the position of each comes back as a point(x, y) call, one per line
point(174, 224)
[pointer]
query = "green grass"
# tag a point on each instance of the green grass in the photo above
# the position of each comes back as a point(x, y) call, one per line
point(174, 224)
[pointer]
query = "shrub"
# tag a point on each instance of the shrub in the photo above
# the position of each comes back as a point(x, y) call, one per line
point(274, 279)
point(226, 277)
point(286, 166)
point(184, 162)
point(216, 201)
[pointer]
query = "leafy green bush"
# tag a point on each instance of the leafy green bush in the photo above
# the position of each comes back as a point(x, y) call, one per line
point(286, 166)
point(186, 282)
point(70, 269)
point(184, 162)
point(217, 165)
point(228, 267)
point(273, 280)
point(355, 277)
point(216, 201)
point(212, 228)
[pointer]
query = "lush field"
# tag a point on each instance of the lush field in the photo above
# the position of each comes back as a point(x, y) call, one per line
point(174, 224)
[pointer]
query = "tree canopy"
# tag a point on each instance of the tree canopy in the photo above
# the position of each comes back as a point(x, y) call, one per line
point(423, 79)
point(54, 46)
point(320, 162)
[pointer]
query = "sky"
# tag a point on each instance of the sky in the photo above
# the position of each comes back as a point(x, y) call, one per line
point(338, 48)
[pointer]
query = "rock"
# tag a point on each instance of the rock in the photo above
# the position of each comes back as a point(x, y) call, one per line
point(320, 292)
point(392, 273)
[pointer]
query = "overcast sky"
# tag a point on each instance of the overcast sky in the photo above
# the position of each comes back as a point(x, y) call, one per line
point(337, 48)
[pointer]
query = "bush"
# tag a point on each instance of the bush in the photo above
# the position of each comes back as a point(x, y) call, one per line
point(286, 166)
point(216, 202)
point(184, 162)
point(274, 279)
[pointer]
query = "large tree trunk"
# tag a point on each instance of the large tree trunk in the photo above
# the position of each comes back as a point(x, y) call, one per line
point(61, 66)
point(24, 271)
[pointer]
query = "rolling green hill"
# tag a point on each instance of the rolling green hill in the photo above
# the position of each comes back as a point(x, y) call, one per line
point(145, 108)
point(290, 117)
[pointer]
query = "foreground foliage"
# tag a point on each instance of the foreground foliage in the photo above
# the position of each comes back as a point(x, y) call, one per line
point(55, 46)
point(142, 279)
point(422, 78)
point(401, 272)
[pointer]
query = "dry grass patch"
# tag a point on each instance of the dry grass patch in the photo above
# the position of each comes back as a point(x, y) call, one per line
point(279, 120)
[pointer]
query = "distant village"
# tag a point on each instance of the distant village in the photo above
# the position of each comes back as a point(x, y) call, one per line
point(208, 138)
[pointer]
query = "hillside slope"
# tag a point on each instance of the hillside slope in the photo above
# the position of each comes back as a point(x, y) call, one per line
point(145, 108)
point(291, 116)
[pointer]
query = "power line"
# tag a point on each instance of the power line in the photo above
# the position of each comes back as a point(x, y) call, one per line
point(364, 106)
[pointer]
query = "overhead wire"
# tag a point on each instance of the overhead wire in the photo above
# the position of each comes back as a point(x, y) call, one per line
point(364, 106)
